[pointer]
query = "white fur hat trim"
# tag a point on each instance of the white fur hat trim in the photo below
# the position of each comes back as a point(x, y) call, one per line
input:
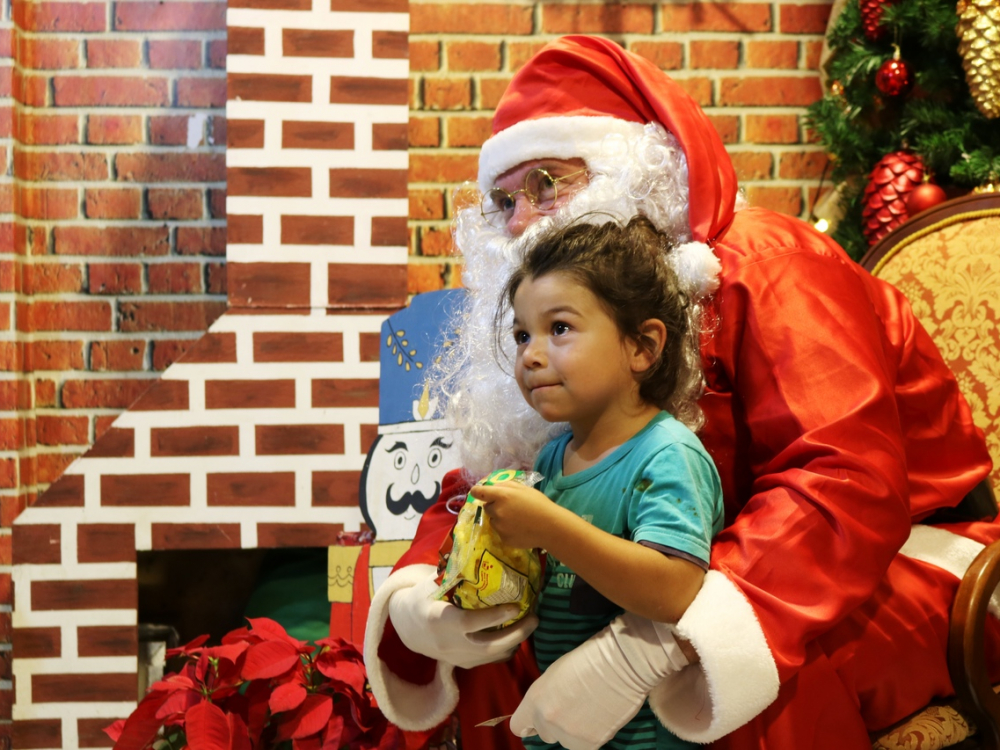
point(574, 137)
point(697, 268)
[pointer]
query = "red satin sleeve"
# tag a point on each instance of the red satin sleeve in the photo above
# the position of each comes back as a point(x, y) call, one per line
point(435, 525)
point(812, 382)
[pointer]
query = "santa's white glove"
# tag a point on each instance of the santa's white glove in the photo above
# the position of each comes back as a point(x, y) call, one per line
point(446, 633)
point(587, 695)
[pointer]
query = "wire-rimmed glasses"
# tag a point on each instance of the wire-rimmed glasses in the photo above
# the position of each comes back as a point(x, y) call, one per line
point(540, 188)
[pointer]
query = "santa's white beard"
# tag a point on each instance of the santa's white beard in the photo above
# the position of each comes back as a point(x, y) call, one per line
point(499, 429)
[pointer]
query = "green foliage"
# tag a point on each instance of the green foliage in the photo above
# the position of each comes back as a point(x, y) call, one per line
point(937, 119)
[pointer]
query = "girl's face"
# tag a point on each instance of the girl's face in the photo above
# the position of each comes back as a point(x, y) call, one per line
point(572, 363)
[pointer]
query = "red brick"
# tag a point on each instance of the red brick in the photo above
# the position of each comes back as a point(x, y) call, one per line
point(752, 165)
point(246, 41)
point(172, 16)
point(42, 315)
point(105, 542)
point(424, 277)
point(201, 92)
point(168, 130)
point(113, 53)
point(803, 19)
point(295, 134)
point(812, 53)
point(182, 167)
point(54, 355)
point(425, 56)
point(106, 394)
point(367, 183)
point(269, 88)
point(286, 182)
point(447, 93)
point(202, 240)
point(135, 490)
point(775, 55)
point(217, 281)
point(715, 54)
point(107, 640)
point(807, 165)
point(51, 466)
point(443, 167)
point(604, 19)
point(217, 203)
point(269, 284)
point(74, 688)
point(424, 131)
point(699, 89)
point(112, 442)
point(315, 230)
point(32, 91)
point(727, 126)
point(6, 552)
point(248, 133)
point(175, 203)
point(519, 52)
point(196, 536)
point(168, 316)
point(29, 734)
point(48, 53)
point(389, 231)
point(665, 55)
point(426, 204)
point(11, 507)
point(770, 91)
point(115, 278)
point(110, 91)
point(344, 392)
point(772, 129)
point(252, 489)
point(164, 395)
point(175, 278)
point(119, 356)
point(114, 129)
point(46, 278)
point(390, 136)
point(490, 91)
point(352, 285)
point(34, 643)
point(457, 18)
point(390, 45)
point(36, 544)
point(363, 6)
point(38, 166)
point(298, 347)
point(786, 200)
point(8, 475)
point(473, 56)
point(217, 53)
point(90, 732)
point(102, 426)
point(211, 347)
point(194, 441)
point(172, 54)
point(47, 203)
point(61, 17)
point(317, 43)
point(38, 129)
point(115, 241)
point(468, 131)
point(716, 17)
point(250, 394)
point(45, 393)
point(63, 430)
point(350, 90)
point(298, 534)
point(113, 203)
point(299, 439)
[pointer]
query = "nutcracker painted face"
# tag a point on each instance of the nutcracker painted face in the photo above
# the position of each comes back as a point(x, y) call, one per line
point(402, 479)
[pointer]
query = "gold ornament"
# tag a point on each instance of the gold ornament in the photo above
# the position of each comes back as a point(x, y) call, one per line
point(978, 34)
point(837, 88)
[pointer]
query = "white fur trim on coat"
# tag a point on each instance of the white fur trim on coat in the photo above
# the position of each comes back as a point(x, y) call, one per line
point(736, 677)
point(576, 137)
point(697, 267)
point(948, 551)
point(409, 706)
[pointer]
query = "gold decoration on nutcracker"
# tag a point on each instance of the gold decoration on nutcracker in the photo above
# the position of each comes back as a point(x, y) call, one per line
point(978, 33)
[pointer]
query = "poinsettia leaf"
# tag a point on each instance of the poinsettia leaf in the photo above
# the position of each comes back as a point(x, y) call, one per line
point(311, 717)
point(286, 697)
point(172, 683)
point(239, 735)
point(188, 648)
point(334, 732)
point(140, 727)
point(257, 695)
point(269, 659)
point(114, 731)
point(272, 631)
point(229, 651)
point(207, 727)
point(348, 673)
point(311, 742)
point(240, 634)
point(178, 703)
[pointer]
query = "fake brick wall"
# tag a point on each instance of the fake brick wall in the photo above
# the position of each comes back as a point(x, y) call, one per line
point(751, 65)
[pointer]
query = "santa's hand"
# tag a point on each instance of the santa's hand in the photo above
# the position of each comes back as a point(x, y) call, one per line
point(587, 695)
point(446, 633)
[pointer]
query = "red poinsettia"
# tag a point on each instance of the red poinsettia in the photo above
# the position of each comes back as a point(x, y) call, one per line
point(261, 689)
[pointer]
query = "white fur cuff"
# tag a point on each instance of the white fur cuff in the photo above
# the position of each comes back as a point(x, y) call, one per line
point(948, 551)
point(408, 706)
point(697, 268)
point(736, 677)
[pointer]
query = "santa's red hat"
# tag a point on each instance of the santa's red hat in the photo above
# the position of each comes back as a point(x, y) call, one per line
point(576, 92)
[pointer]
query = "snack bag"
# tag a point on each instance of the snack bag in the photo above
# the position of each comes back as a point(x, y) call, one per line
point(481, 571)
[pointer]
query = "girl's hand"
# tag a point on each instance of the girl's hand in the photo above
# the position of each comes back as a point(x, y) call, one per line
point(519, 514)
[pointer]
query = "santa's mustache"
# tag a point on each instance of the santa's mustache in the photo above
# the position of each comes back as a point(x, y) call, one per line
point(416, 500)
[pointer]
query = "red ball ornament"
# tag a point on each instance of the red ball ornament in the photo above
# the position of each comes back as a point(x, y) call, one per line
point(894, 77)
point(923, 197)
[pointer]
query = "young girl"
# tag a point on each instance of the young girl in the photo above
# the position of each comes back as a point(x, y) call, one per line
point(606, 343)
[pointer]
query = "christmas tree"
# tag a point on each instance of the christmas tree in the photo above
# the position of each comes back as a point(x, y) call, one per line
point(899, 108)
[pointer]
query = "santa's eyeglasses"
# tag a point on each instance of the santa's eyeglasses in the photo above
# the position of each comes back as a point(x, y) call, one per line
point(540, 188)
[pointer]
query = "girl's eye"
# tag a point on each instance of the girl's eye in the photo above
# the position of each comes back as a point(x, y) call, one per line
point(560, 328)
point(520, 337)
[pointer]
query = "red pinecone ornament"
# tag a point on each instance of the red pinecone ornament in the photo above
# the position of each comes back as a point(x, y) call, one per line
point(890, 183)
point(871, 19)
point(893, 77)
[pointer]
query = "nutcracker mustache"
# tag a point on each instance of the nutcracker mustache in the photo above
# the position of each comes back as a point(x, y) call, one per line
point(416, 500)
point(498, 428)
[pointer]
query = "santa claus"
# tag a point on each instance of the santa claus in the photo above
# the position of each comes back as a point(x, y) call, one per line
point(836, 428)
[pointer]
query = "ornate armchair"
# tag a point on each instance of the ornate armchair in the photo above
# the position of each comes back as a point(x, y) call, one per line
point(947, 263)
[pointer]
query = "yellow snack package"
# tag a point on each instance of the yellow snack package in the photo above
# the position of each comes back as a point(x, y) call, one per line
point(481, 571)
